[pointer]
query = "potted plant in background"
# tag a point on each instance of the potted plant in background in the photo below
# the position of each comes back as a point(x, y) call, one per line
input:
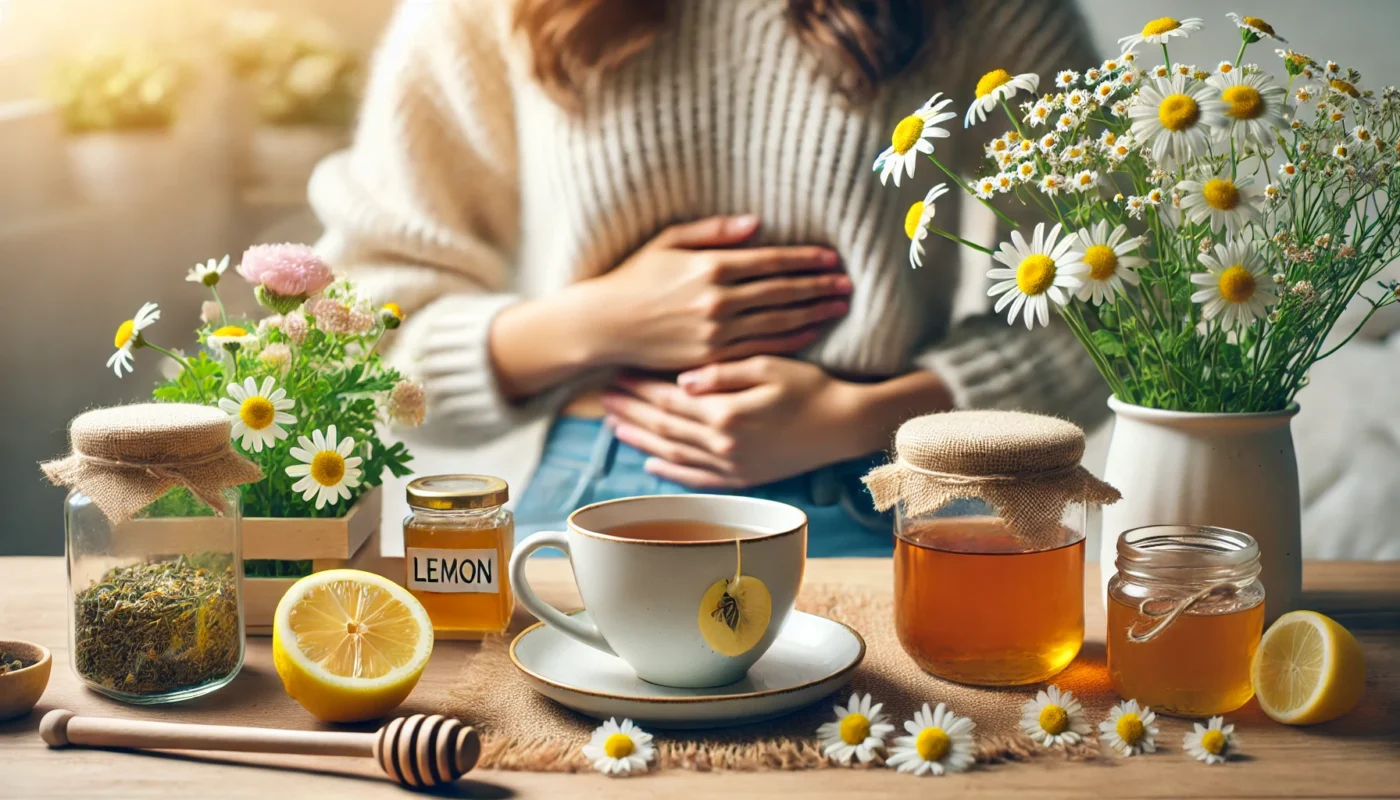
point(1210, 226)
point(308, 395)
point(119, 107)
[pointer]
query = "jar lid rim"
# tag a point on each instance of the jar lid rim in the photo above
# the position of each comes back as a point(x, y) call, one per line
point(1187, 552)
point(457, 492)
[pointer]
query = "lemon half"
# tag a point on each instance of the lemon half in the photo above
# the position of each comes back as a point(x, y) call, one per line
point(350, 645)
point(1308, 669)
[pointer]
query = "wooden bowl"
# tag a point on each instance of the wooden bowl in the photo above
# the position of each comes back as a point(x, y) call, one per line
point(21, 689)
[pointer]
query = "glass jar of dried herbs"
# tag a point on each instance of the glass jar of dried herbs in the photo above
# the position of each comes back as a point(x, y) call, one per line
point(154, 551)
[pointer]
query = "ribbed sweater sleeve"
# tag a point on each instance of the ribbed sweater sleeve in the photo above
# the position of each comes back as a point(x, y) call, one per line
point(424, 209)
point(986, 362)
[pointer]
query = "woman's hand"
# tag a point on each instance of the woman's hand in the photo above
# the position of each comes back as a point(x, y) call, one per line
point(762, 419)
point(693, 295)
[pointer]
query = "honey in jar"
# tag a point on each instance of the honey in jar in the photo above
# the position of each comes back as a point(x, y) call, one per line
point(457, 545)
point(1185, 614)
point(974, 605)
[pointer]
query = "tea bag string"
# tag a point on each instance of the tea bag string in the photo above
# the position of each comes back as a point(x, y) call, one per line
point(959, 479)
point(1167, 618)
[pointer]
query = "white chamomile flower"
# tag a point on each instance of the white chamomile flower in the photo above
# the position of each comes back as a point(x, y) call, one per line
point(1362, 135)
point(859, 730)
point(1077, 100)
point(1222, 201)
point(1054, 717)
point(1104, 92)
point(984, 188)
point(128, 337)
point(327, 470)
point(916, 222)
point(231, 338)
point(1212, 742)
point(1255, 107)
point(1161, 71)
point(1130, 77)
point(1153, 196)
point(258, 413)
point(1235, 286)
point(1048, 142)
point(939, 741)
point(1120, 109)
point(1075, 152)
point(913, 136)
point(1129, 729)
point(1287, 171)
point(1225, 67)
point(1258, 27)
point(1039, 113)
point(1084, 180)
point(1006, 181)
point(1066, 78)
point(619, 749)
point(209, 273)
point(1174, 118)
point(1052, 184)
point(1066, 122)
point(1273, 193)
point(1135, 206)
point(1159, 30)
point(1025, 170)
point(1109, 260)
point(1112, 64)
point(1341, 152)
point(997, 86)
point(1035, 273)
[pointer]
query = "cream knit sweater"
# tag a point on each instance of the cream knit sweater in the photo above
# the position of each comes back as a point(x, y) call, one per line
point(468, 189)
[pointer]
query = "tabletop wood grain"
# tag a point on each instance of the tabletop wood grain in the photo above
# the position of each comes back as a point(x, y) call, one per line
point(1356, 756)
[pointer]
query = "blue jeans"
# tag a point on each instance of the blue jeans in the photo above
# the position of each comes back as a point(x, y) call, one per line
point(583, 463)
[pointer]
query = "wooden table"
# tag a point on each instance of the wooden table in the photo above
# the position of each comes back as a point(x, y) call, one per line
point(1353, 757)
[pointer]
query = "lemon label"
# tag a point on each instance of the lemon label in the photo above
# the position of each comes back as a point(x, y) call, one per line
point(449, 571)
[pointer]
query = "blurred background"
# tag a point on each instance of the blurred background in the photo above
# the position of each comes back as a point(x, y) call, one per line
point(138, 137)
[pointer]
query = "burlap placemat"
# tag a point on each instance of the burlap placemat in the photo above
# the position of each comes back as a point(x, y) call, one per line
point(523, 730)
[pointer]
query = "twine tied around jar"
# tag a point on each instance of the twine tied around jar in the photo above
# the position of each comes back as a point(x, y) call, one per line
point(125, 457)
point(1026, 466)
point(1163, 619)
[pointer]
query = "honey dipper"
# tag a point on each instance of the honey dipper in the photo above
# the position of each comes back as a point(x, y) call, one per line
point(417, 751)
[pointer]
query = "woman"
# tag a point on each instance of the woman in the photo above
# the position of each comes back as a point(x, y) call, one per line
point(655, 224)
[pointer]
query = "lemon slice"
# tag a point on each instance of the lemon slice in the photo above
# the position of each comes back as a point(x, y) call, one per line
point(350, 645)
point(1308, 669)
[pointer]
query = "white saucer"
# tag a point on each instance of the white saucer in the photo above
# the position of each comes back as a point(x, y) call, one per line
point(811, 658)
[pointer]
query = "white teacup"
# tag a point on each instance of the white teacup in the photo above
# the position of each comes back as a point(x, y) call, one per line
point(643, 596)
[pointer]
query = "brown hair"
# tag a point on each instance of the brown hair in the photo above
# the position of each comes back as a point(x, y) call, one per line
point(860, 43)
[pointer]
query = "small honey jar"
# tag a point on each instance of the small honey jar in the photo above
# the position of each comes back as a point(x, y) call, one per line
point(1185, 614)
point(457, 545)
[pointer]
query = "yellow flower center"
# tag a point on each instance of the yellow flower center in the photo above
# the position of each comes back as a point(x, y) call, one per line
point(1130, 728)
point(992, 81)
point(913, 218)
point(619, 745)
point(1258, 24)
point(1363, 135)
point(1159, 26)
point(393, 308)
point(327, 467)
point(1178, 112)
point(1102, 261)
point(1237, 284)
point(1054, 720)
point(1244, 101)
point(1344, 87)
point(256, 412)
point(906, 133)
point(1221, 194)
point(1213, 742)
point(1200, 74)
point(125, 331)
point(1035, 274)
point(230, 331)
point(855, 728)
point(932, 744)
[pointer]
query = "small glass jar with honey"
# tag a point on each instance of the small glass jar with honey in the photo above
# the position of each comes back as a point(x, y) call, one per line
point(457, 545)
point(989, 543)
point(1185, 614)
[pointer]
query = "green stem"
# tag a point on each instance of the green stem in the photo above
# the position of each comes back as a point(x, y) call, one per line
point(223, 315)
point(1243, 45)
point(970, 192)
point(958, 239)
point(184, 364)
point(1166, 58)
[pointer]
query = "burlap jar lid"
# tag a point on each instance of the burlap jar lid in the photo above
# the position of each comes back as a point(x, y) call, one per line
point(1026, 466)
point(125, 457)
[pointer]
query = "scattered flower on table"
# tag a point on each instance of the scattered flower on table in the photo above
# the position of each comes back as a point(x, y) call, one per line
point(129, 337)
point(209, 273)
point(859, 730)
point(327, 470)
point(232, 338)
point(1054, 717)
point(916, 222)
point(995, 87)
point(620, 749)
point(1159, 30)
point(1129, 729)
point(1212, 743)
point(939, 741)
point(258, 413)
point(913, 136)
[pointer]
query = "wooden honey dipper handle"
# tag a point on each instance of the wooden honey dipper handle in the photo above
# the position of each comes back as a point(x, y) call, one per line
point(417, 751)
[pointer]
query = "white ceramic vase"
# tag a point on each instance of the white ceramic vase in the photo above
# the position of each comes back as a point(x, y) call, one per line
point(1233, 471)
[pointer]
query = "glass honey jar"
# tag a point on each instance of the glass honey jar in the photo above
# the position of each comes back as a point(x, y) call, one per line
point(989, 544)
point(1185, 614)
point(457, 541)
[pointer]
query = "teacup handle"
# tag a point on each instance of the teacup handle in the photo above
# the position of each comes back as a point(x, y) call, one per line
point(585, 632)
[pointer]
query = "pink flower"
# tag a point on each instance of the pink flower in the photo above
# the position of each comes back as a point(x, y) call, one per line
point(408, 403)
point(289, 270)
point(294, 326)
point(333, 316)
